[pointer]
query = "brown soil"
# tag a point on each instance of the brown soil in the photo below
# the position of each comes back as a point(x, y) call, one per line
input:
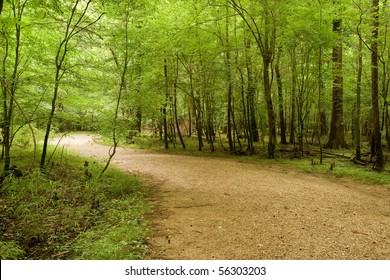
point(221, 208)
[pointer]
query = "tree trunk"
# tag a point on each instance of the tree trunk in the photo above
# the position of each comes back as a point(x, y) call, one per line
point(358, 101)
point(9, 100)
point(265, 37)
point(254, 132)
point(138, 118)
point(164, 109)
point(320, 113)
point(320, 93)
point(376, 143)
point(283, 138)
point(175, 104)
point(51, 116)
point(270, 110)
point(199, 126)
point(336, 135)
point(293, 96)
point(229, 85)
point(72, 28)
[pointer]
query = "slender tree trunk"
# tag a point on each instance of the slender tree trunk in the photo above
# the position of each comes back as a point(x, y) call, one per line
point(293, 97)
point(175, 104)
point(283, 139)
point(246, 115)
point(320, 93)
point(358, 101)
point(189, 120)
point(210, 125)
point(376, 143)
point(5, 124)
point(254, 132)
point(164, 109)
point(9, 101)
point(73, 27)
point(4, 94)
point(301, 100)
point(229, 85)
point(51, 116)
point(138, 118)
point(122, 88)
point(387, 123)
point(196, 109)
point(320, 113)
point(122, 70)
point(199, 126)
point(235, 131)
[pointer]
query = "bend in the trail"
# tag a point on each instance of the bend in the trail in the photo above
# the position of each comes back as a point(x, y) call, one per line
point(217, 208)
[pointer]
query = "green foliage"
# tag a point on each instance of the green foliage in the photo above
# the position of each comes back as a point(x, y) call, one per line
point(10, 251)
point(58, 215)
point(342, 169)
point(120, 238)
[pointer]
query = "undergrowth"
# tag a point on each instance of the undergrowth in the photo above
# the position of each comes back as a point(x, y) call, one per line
point(341, 168)
point(69, 213)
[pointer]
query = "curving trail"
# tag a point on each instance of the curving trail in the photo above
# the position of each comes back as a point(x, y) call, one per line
point(217, 208)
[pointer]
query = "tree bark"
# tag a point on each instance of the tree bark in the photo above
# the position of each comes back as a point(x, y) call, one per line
point(376, 143)
point(254, 132)
point(282, 123)
point(164, 109)
point(175, 104)
point(268, 99)
point(358, 102)
point(336, 135)
point(9, 100)
point(229, 85)
point(293, 97)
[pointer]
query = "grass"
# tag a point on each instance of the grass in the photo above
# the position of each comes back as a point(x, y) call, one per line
point(10, 251)
point(342, 169)
point(65, 214)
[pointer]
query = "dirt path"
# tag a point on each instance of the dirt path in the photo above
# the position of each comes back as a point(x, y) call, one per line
point(216, 208)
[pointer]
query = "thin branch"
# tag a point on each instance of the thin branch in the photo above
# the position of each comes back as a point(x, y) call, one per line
point(243, 13)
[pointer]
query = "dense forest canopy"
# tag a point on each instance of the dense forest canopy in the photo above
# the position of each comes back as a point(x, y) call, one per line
point(245, 75)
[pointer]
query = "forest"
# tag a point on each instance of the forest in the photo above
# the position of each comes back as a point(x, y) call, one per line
point(231, 74)
point(260, 78)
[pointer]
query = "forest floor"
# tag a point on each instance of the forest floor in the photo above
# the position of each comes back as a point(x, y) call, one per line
point(229, 208)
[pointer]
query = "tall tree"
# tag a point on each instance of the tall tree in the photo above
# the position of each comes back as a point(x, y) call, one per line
point(357, 118)
point(76, 23)
point(376, 142)
point(229, 92)
point(251, 91)
point(320, 91)
point(293, 95)
point(282, 123)
point(336, 135)
point(10, 88)
point(264, 33)
point(175, 105)
point(165, 105)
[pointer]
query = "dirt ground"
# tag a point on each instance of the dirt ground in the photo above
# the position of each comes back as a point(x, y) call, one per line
point(219, 208)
